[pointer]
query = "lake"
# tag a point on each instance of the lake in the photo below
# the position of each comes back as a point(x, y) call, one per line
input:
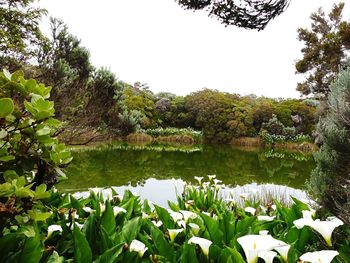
point(153, 171)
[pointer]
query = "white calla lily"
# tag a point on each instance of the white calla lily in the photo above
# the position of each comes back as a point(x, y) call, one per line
point(283, 251)
point(199, 179)
point(202, 242)
point(244, 196)
point(266, 218)
point(138, 247)
point(250, 210)
point(323, 256)
point(194, 228)
point(173, 233)
point(157, 223)
point(96, 190)
point(117, 210)
point(267, 256)
point(188, 215)
point(52, 229)
point(181, 223)
point(211, 177)
point(274, 207)
point(176, 216)
point(325, 228)
point(217, 181)
point(253, 244)
point(88, 209)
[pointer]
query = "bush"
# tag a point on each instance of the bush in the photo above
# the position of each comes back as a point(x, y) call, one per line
point(330, 182)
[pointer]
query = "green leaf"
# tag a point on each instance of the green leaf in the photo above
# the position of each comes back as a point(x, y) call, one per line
point(163, 247)
point(188, 254)
point(110, 255)
point(9, 243)
point(6, 107)
point(32, 250)
point(82, 250)
point(230, 255)
point(212, 226)
point(41, 193)
point(10, 175)
point(165, 217)
point(108, 220)
point(38, 216)
point(55, 258)
point(131, 229)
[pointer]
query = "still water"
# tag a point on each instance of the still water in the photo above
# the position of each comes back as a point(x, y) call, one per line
point(155, 171)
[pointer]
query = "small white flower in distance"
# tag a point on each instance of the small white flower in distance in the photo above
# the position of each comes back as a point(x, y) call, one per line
point(176, 216)
point(216, 181)
point(53, 228)
point(117, 210)
point(202, 242)
point(266, 218)
point(173, 233)
point(250, 210)
point(157, 223)
point(323, 256)
point(199, 179)
point(181, 223)
point(194, 228)
point(211, 177)
point(88, 209)
point(188, 215)
point(263, 232)
point(138, 247)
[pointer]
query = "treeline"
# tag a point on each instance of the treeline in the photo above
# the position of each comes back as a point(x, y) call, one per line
point(86, 96)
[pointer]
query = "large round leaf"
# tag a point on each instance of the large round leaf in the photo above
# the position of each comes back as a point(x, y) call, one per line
point(6, 107)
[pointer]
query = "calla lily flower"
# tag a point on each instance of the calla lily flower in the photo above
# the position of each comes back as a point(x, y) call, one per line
point(325, 228)
point(199, 179)
point(323, 256)
point(173, 233)
point(211, 177)
point(96, 190)
point(194, 228)
point(176, 215)
point(117, 210)
point(253, 244)
point(274, 207)
point(263, 232)
point(102, 208)
point(216, 181)
point(88, 209)
point(202, 242)
point(266, 218)
point(250, 210)
point(52, 229)
point(188, 215)
point(181, 223)
point(244, 196)
point(267, 256)
point(157, 223)
point(206, 184)
point(107, 194)
point(283, 251)
point(138, 247)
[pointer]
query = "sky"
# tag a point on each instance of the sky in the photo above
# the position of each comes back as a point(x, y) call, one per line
point(181, 51)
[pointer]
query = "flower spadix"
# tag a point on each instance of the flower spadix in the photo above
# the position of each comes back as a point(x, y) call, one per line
point(138, 247)
point(325, 228)
point(173, 233)
point(253, 244)
point(202, 242)
point(323, 256)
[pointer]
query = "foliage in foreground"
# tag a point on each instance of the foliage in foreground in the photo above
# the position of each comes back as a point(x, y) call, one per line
point(200, 227)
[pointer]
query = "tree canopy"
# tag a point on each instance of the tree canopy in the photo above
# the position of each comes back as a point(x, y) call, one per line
point(251, 14)
point(325, 46)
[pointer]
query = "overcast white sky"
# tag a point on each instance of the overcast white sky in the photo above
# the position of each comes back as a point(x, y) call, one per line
point(171, 49)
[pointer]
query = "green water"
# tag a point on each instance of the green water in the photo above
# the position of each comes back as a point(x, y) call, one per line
point(151, 170)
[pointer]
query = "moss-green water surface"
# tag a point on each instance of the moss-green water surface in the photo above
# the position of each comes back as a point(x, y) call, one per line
point(152, 168)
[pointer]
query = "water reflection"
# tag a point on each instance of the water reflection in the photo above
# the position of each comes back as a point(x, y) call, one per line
point(151, 170)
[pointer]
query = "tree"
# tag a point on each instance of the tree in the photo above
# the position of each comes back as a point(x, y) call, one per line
point(325, 49)
point(252, 14)
point(20, 34)
point(330, 181)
